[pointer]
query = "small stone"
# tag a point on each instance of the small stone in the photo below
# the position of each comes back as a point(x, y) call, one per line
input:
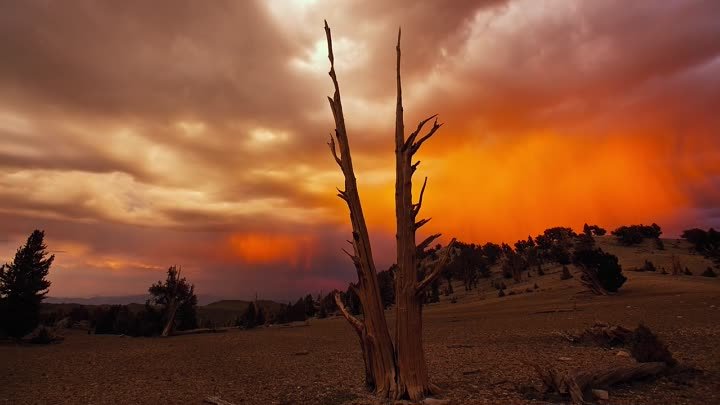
point(564, 358)
point(622, 353)
point(601, 394)
point(302, 353)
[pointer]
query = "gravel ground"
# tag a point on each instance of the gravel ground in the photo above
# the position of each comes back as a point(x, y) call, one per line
point(478, 351)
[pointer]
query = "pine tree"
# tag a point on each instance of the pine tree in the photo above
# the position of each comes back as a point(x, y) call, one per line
point(162, 294)
point(23, 286)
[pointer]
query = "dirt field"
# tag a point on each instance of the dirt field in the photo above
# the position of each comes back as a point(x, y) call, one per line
point(477, 349)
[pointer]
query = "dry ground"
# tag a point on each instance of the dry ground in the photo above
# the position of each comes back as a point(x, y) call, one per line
point(477, 349)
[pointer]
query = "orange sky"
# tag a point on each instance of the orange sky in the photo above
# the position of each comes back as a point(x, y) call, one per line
point(186, 133)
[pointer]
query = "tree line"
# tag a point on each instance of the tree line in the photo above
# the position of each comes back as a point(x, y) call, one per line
point(24, 284)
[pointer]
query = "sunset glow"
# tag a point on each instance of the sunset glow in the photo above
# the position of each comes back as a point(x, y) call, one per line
point(195, 134)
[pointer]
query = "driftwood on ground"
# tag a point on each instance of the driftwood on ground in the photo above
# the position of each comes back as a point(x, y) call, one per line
point(601, 334)
point(580, 383)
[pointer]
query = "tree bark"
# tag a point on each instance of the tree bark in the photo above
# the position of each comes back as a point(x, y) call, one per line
point(577, 384)
point(375, 336)
point(413, 380)
point(394, 371)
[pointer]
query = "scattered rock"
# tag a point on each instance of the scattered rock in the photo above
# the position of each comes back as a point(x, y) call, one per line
point(622, 353)
point(468, 372)
point(601, 394)
point(564, 358)
point(302, 353)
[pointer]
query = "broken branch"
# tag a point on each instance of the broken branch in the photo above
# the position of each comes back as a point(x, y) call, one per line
point(422, 222)
point(416, 207)
point(356, 323)
point(333, 150)
point(422, 140)
point(414, 135)
point(439, 266)
point(427, 241)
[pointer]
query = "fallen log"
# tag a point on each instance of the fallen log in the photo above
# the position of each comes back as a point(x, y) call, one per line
point(601, 334)
point(578, 385)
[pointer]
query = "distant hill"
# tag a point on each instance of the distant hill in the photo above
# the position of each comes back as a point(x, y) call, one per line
point(219, 312)
point(118, 300)
point(108, 300)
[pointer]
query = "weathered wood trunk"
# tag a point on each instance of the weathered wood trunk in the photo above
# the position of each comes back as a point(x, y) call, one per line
point(374, 334)
point(394, 371)
point(413, 378)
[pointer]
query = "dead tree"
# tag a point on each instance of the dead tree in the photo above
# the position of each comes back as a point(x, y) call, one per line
point(392, 371)
point(577, 384)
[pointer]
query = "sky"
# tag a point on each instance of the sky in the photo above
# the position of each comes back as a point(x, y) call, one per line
point(142, 134)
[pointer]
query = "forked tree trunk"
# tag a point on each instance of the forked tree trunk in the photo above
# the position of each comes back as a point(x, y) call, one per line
point(397, 371)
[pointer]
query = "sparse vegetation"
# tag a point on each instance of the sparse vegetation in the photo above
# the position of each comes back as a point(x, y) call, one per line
point(635, 234)
point(704, 242)
point(709, 272)
point(648, 266)
point(593, 230)
point(176, 300)
point(602, 272)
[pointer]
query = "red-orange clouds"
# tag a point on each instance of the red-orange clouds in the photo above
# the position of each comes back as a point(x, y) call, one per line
point(255, 248)
point(145, 134)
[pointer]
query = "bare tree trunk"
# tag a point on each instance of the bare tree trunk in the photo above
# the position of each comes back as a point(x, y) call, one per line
point(413, 378)
point(374, 335)
point(397, 371)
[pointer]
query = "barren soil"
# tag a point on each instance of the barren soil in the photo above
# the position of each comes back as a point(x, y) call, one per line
point(478, 349)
